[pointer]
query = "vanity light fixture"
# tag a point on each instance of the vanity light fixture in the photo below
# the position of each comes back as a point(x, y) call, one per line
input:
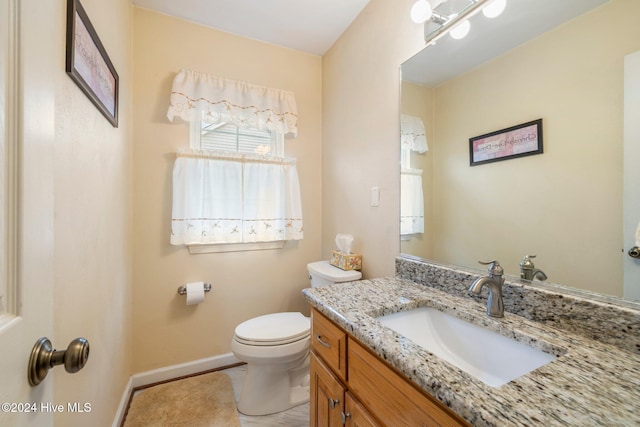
point(494, 8)
point(452, 16)
point(421, 11)
point(461, 30)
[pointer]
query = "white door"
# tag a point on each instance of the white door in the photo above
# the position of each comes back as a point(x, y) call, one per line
point(27, 121)
point(631, 188)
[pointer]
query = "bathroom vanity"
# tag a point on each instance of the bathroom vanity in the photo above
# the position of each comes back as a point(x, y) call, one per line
point(363, 369)
point(342, 368)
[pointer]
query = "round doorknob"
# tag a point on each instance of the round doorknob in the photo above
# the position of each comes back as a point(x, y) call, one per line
point(44, 357)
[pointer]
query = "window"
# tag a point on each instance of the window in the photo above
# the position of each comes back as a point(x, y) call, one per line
point(234, 191)
point(228, 137)
point(234, 187)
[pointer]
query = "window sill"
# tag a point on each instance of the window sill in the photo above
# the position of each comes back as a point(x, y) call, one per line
point(234, 247)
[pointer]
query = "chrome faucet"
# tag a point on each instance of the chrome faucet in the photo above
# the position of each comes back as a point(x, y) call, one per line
point(494, 281)
point(528, 271)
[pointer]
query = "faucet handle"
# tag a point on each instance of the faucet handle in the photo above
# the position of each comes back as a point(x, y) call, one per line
point(494, 267)
point(526, 262)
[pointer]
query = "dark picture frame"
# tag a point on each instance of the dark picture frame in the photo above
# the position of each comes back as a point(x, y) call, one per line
point(516, 141)
point(88, 64)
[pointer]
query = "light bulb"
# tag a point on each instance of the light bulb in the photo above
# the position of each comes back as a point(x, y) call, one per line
point(421, 11)
point(494, 8)
point(460, 30)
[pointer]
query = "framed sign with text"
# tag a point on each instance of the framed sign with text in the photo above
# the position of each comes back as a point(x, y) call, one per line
point(88, 64)
point(516, 141)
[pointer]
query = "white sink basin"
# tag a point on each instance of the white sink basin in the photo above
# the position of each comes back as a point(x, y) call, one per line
point(488, 356)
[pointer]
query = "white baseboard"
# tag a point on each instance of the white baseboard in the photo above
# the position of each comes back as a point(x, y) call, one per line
point(168, 373)
point(124, 400)
point(176, 371)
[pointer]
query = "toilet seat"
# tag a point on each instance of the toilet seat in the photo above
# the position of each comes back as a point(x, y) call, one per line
point(273, 329)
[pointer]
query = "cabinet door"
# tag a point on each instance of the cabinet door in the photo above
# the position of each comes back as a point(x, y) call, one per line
point(327, 396)
point(357, 415)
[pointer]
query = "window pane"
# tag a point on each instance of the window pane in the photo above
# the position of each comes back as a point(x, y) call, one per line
point(229, 138)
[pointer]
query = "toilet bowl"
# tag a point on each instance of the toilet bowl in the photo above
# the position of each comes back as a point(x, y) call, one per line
point(276, 350)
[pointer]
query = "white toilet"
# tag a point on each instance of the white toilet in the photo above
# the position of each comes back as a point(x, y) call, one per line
point(276, 350)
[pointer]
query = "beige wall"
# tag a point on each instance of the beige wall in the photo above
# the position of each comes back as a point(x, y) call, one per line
point(566, 204)
point(245, 284)
point(92, 227)
point(360, 131)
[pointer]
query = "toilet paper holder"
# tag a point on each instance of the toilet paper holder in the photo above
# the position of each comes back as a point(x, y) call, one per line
point(182, 290)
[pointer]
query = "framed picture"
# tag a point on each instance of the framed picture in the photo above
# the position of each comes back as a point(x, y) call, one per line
point(516, 141)
point(88, 63)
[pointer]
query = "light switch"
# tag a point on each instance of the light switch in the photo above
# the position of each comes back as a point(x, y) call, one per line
point(375, 196)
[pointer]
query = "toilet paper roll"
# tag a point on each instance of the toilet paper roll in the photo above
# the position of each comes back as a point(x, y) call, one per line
point(195, 293)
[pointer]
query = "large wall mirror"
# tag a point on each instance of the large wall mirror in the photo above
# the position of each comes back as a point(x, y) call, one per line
point(559, 61)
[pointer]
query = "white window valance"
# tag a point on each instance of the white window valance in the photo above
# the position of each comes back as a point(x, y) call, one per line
point(221, 197)
point(412, 134)
point(199, 96)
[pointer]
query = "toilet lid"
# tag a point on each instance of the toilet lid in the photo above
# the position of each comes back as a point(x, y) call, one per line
point(274, 329)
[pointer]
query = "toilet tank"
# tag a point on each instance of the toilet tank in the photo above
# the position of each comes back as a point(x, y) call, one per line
point(322, 273)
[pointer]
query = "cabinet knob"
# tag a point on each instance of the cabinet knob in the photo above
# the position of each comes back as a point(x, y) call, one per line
point(333, 403)
point(344, 417)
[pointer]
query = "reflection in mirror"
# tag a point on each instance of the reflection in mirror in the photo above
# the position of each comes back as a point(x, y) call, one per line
point(412, 140)
point(565, 205)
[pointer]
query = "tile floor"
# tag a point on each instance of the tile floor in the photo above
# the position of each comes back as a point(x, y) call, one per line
point(295, 417)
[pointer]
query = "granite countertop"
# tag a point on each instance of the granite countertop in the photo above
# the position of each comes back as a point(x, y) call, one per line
point(590, 383)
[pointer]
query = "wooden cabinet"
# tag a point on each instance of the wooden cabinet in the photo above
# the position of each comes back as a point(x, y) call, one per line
point(356, 415)
point(327, 395)
point(331, 404)
point(352, 386)
point(401, 403)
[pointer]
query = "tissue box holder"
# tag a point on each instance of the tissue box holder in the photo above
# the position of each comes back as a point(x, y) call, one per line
point(346, 261)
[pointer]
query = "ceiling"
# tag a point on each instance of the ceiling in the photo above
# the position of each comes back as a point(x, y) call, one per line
point(310, 26)
point(313, 26)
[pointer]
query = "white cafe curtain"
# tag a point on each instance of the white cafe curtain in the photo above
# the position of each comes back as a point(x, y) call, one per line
point(411, 202)
point(213, 99)
point(221, 197)
point(412, 134)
